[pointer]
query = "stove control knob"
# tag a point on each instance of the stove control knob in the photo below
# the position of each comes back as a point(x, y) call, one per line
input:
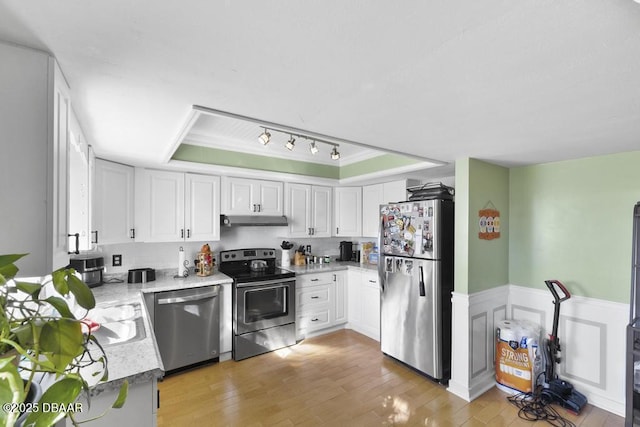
point(271, 253)
point(264, 253)
point(226, 256)
point(233, 255)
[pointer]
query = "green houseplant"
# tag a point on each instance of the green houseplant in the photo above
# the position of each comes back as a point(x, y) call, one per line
point(40, 335)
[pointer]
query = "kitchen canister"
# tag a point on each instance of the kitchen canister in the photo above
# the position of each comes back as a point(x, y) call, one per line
point(285, 260)
point(518, 355)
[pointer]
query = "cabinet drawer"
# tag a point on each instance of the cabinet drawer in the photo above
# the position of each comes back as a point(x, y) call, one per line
point(318, 319)
point(313, 295)
point(314, 279)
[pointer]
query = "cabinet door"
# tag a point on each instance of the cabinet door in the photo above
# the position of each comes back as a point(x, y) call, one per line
point(394, 191)
point(354, 299)
point(239, 197)
point(341, 298)
point(61, 123)
point(202, 207)
point(321, 211)
point(372, 198)
point(299, 210)
point(270, 198)
point(159, 206)
point(348, 211)
point(226, 316)
point(79, 196)
point(113, 202)
point(371, 305)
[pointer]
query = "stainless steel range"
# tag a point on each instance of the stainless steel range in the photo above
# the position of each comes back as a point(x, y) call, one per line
point(264, 311)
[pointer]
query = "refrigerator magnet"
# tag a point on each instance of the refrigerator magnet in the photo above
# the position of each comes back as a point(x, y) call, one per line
point(389, 264)
point(408, 267)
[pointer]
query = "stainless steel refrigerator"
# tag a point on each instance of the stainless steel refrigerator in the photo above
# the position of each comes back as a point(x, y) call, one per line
point(416, 281)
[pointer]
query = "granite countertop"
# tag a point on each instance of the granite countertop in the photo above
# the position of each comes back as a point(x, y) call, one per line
point(139, 361)
point(332, 266)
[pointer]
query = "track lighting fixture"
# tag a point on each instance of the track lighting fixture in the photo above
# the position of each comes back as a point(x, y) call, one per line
point(290, 143)
point(264, 137)
point(313, 148)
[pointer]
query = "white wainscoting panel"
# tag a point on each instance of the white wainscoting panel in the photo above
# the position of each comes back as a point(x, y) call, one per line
point(592, 340)
point(591, 331)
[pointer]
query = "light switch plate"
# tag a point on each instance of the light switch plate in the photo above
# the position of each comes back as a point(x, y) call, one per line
point(117, 261)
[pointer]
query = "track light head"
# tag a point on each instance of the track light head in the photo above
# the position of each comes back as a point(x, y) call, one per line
point(264, 137)
point(290, 143)
point(313, 148)
point(335, 155)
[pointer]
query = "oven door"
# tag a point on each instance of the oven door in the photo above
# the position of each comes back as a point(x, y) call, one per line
point(262, 305)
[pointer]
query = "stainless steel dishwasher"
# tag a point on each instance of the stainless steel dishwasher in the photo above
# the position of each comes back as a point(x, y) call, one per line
point(186, 324)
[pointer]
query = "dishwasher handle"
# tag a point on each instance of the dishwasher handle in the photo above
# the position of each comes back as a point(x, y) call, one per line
point(177, 300)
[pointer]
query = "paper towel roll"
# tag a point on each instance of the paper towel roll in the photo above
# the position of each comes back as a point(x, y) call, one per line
point(181, 264)
point(508, 331)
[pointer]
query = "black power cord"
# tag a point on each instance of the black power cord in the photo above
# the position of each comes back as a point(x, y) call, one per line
point(537, 407)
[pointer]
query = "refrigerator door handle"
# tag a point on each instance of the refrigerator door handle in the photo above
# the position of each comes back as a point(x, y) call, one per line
point(423, 291)
point(382, 275)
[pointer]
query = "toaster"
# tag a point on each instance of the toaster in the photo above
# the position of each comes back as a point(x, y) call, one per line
point(141, 275)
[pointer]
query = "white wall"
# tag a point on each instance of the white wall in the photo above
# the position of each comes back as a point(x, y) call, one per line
point(165, 255)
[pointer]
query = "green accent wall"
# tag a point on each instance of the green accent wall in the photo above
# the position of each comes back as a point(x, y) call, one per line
point(480, 264)
point(375, 164)
point(214, 156)
point(572, 221)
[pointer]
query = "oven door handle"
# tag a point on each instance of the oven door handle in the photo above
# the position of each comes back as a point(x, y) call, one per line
point(178, 300)
point(266, 282)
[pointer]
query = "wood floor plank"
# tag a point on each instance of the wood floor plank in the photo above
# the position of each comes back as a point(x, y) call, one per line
point(338, 379)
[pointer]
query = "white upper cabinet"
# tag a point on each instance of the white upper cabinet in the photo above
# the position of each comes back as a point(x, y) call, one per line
point(174, 207)
point(308, 210)
point(113, 203)
point(202, 207)
point(80, 171)
point(347, 211)
point(34, 122)
point(375, 195)
point(243, 196)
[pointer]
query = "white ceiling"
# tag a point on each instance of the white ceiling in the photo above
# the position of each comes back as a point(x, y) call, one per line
point(511, 82)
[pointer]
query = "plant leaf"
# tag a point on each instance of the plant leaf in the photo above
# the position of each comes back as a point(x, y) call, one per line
point(81, 291)
point(60, 304)
point(62, 341)
point(32, 289)
point(11, 389)
point(8, 271)
point(10, 259)
point(59, 278)
point(61, 393)
point(122, 395)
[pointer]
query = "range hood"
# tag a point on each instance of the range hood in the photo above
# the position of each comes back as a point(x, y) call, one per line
point(252, 220)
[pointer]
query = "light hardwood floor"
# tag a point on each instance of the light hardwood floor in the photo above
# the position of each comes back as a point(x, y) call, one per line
point(340, 378)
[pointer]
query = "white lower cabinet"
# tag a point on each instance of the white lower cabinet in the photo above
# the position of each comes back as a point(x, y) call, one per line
point(140, 408)
point(226, 317)
point(320, 302)
point(364, 302)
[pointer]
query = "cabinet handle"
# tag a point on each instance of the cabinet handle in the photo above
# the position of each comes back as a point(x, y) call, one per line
point(254, 208)
point(421, 283)
point(259, 207)
point(315, 320)
point(309, 232)
point(188, 233)
point(315, 280)
point(77, 236)
point(334, 278)
point(337, 230)
point(313, 231)
point(372, 281)
point(95, 232)
point(132, 233)
point(182, 233)
point(315, 297)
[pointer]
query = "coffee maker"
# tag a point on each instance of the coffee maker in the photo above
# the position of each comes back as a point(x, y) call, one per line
point(346, 251)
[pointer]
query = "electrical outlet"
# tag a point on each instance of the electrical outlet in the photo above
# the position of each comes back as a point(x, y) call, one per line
point(117, 261)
